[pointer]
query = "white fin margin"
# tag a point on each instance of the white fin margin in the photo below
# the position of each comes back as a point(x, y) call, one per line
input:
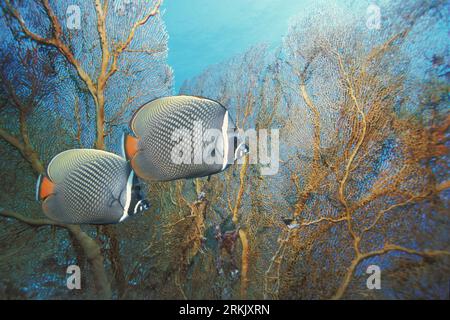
point(122, 146)
point(38, 186)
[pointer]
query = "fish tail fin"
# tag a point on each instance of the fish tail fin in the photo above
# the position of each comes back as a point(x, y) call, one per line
point(129, 146)
point(44, 187)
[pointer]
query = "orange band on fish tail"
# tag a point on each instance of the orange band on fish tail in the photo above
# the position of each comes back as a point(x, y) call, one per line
point(46, 188)
point(131, 146)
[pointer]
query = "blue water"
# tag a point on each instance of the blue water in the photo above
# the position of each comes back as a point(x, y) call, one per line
point(205, 32)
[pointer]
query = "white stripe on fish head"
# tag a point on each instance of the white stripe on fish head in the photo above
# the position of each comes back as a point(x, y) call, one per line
point(127, 196)
point(225, 141)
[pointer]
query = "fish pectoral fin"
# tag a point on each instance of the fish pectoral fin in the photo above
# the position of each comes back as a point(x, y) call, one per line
point(44, 188)
point(130, 146)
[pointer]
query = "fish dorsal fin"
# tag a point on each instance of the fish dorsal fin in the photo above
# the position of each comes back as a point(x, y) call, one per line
point(66, 161)
point(141, 117)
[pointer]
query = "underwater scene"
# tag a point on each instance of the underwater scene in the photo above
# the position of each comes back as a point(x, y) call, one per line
point(224, 150)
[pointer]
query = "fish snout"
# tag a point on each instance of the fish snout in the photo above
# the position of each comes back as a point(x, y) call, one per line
point(242, 149)
point(145, 205)
point(237, 144)
point(141, 206)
